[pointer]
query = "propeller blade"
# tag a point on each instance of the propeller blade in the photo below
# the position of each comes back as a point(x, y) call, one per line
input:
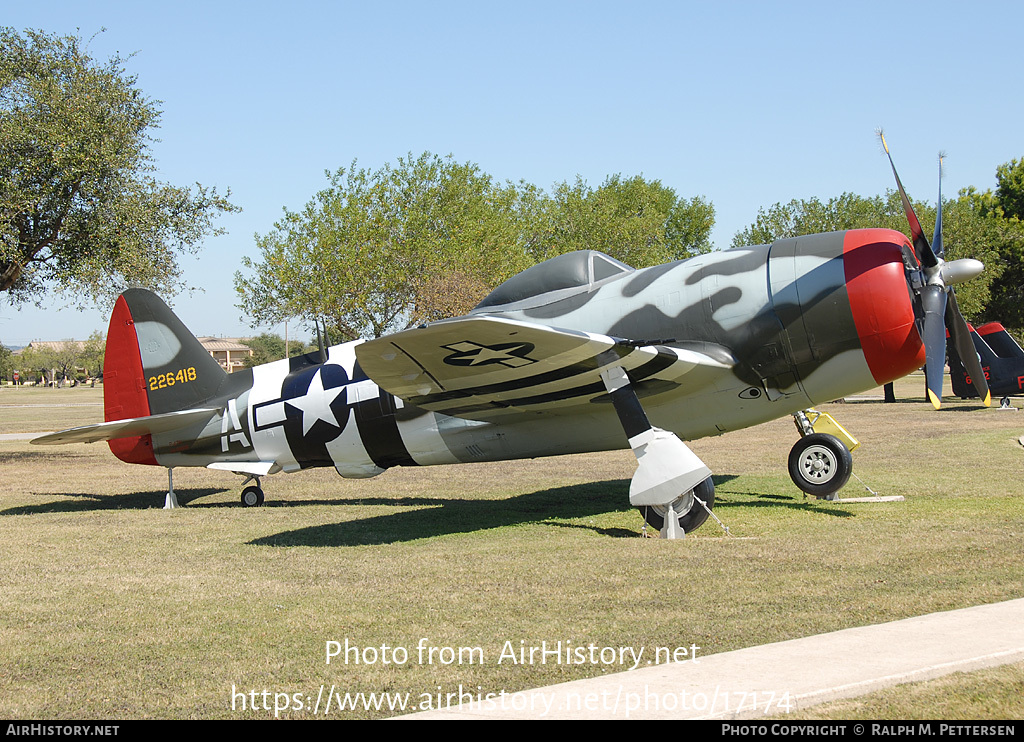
point(937, 300)
point(933, 301)
point(921, 247)
point(937, 236)
point(961, 337)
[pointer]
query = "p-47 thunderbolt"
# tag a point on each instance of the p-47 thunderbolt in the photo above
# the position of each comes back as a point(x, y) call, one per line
point(580, 353)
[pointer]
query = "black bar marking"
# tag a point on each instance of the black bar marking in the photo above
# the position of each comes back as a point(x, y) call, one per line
point(378, 429)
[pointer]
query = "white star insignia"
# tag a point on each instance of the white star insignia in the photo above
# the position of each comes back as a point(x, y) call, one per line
point(316, 403)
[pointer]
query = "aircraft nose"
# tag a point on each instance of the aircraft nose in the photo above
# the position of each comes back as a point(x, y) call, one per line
point(880, 302)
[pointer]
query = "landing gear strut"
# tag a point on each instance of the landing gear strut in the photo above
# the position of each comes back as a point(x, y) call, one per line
point(668, 474)
point(171, 500)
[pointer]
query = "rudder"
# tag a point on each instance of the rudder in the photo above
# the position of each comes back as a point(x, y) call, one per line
point(153, 364)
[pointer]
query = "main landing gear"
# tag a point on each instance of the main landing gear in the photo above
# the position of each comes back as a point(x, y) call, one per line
point(671, 487)
point(690, 510)
point(252, 496)
point(820, 463)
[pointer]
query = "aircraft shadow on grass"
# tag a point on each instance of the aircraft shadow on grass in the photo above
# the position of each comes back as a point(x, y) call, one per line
point(75, 502)
point(433, 517)
point(444, 517)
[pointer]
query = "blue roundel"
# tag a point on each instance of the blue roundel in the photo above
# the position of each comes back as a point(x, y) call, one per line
point(316, 408)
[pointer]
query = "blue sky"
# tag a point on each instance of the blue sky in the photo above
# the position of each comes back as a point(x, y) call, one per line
point(746, 104)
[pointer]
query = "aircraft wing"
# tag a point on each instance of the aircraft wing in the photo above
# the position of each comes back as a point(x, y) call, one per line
point(153, 424)
point(486, 368)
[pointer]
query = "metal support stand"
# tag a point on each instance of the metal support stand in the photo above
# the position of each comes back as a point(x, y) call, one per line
point(171, 501)
point(671, 528)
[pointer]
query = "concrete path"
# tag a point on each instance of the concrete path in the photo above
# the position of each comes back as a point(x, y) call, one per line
point(793, 674)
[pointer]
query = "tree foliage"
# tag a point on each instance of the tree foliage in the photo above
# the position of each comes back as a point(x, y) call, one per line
point(80, 210)
point(92, 354)
point(428, 237)
point(1005, 212)
point(379, 250)
point(811, 216)
point(639, 222)
point(1010, 188)
point(7, 362)
point(269, 346)
point(55, 361)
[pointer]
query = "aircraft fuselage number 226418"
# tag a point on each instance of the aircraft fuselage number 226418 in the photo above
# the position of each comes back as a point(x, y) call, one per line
point(162, 381)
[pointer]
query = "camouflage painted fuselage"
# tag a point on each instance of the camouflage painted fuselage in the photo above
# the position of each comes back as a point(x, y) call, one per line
point(793, 324)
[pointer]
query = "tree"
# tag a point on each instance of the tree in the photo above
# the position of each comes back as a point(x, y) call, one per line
point(378, 251)
point(269, 346)
point(92, 354)
point(811, 216)
point(639, 222)
point(1010, 188)
point(7, 362)
point(1005, 212)
point(428, 237)
point(53, 361)
point(80, 211)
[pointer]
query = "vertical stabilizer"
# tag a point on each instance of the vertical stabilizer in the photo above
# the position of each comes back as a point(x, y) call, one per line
point(153, 364)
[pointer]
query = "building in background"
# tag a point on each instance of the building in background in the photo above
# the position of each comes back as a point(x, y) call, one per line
point(228, 352)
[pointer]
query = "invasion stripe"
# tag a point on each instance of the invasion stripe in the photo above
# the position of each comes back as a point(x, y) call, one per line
point(378, 430)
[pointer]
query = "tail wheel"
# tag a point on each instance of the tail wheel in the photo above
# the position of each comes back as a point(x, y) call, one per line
point(252, 497)
point(820, 464)
point(692, 519)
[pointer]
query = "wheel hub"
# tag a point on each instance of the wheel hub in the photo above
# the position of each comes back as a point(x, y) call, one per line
point(681, 505)
point(818, 464)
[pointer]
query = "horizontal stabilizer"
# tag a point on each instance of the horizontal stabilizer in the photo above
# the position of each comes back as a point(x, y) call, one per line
point(256, 468)
point(150, 425)
point(484, 368)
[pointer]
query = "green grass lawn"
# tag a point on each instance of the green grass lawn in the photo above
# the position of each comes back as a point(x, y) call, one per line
point(114, 608)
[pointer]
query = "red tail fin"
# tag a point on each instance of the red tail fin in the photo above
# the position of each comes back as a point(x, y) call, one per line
point(154, 365)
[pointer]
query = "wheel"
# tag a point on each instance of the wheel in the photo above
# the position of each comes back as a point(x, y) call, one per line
point(252, 496)
point(692, 519)
point(820, 464)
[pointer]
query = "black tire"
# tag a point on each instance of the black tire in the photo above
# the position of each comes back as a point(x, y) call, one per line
point(820, 464)
point(252, 497)
point(692, 519)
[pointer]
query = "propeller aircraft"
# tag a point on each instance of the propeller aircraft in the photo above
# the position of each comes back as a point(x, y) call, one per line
point(579, 353)
point(1002, 361)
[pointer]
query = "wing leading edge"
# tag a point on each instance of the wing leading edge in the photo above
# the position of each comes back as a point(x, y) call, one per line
point(488, 368)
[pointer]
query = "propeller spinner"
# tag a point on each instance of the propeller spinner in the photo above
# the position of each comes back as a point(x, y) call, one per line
point(932, 287)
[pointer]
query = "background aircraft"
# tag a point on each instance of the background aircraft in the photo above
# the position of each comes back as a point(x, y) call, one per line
point(579, 353)
point(1002, 361)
